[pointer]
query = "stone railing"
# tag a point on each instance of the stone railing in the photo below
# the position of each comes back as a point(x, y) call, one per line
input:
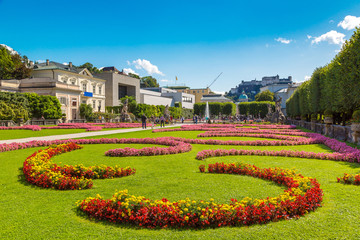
point(343, 133)
point(42, 122)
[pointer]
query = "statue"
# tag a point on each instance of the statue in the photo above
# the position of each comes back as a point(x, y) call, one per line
point(277, 116)
point(167, 113)
point(124, 115)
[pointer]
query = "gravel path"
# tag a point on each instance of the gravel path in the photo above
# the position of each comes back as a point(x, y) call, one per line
point(80, 135)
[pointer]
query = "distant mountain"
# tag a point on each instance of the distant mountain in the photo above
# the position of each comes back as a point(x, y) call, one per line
point(11, 50)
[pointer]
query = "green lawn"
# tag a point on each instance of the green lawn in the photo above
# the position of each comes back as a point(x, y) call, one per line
point(17, 134)
point(29, 212)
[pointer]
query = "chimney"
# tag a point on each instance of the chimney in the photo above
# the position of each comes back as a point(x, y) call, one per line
point(70, 65)
point(47, 62)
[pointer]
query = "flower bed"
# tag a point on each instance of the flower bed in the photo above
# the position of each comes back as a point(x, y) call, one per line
point(349, 179)
point(175, 148)
point(258, 135)
point(40, 171)
point(303, 194)
point(26, 127)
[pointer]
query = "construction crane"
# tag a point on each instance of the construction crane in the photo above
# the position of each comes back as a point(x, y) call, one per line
point(215, 80)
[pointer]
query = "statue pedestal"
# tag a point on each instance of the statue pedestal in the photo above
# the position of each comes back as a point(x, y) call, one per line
point(355, 127)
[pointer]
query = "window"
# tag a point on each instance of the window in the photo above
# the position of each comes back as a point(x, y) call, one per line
point(84, 87)
point(99, 89)
point(73, 102)
point(84, 101)
point(99, 105)
point(198, 91)
point(94, 88)
point(94, 104)
point(203, 91)
point(62, 100)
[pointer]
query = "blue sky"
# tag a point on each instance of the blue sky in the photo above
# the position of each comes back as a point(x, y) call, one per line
point(193, 40)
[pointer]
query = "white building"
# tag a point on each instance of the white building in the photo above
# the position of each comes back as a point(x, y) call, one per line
point(166, 96)
point(89, 90)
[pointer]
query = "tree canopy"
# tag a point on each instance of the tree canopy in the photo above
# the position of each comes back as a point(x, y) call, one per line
point(13, 66)
point(90, 67)
point(148, 81)
point(264, 96)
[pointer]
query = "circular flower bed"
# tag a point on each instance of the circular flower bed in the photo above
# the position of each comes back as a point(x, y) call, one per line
point(40, 171)
point(303, 194)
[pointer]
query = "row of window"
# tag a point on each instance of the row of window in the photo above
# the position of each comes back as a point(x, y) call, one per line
point(193, 91)
point(64, 101)
point(84, 88)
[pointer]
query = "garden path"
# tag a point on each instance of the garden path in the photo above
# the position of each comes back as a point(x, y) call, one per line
point(80, 135)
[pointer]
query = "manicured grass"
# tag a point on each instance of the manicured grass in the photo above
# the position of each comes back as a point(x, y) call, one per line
point(29, 212)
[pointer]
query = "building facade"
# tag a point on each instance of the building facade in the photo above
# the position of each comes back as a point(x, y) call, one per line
point(161, 95)
point(119, 85)
point(71, 85)
point(198, 92)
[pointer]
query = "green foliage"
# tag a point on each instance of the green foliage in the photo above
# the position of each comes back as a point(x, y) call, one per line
point(175, 112)
point(113, 109)
point(13, 66)
point(90, 67)
point(148, 81)
point(44, 105)
point(255, 108)
point(264, 96)
point(356, 116)
point(215, 108)
point(133, 75)
point(6, 112)
point(187, 113)
point(131, 103)
point(329, 86)
point(86, 111)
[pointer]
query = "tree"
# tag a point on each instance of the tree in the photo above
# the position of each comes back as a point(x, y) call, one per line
point(90, 67)
point(131, 103)
point(148, 81)
point(133, 75)
point(13, 66)
point(264, 96)
point(86, 111)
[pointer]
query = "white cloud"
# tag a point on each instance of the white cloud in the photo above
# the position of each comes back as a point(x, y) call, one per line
point(349, 22)
point(164, 80)
point(40, 61)
point(147, 66)
point(308, 36)
point(283, 40)
point(129, 70)
point(307, 78)
point(332, 37)
point(11, 50)
point(65, 63)
point(128, 62)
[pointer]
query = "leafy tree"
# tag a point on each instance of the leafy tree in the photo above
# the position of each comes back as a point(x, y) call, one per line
point(90, 67)
point(131, 103)
point(6, 112)
point(47, 106)
point(148, 81)
point(264, 96)
point(134, 75)
point(13, 66)
point(86, 111)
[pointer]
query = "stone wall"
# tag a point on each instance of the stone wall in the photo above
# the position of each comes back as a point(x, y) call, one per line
point(342, 133)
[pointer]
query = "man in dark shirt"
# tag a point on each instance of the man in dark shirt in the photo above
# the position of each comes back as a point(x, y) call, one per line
point(143, 121)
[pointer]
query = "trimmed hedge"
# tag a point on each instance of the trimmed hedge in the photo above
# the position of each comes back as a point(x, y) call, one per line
point(215, 108)
point(255, 108)
point(334, 87)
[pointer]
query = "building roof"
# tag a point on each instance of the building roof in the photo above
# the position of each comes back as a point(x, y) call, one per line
point(56, 65)
point(110, 69)
point(177, 87)
point(215, 97)
point(243, 95)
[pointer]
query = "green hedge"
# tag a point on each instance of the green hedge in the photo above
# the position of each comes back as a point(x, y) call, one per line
point(27, 105)
point(255, 108)
point(334, 87)
point(215, 108)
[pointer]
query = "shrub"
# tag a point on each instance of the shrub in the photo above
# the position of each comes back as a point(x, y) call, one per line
point(356, 116)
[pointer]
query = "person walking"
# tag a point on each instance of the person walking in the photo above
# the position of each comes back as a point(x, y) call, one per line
point(143, 121)
point(162, 121)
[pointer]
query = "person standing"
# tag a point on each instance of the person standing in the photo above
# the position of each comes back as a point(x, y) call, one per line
point(162, 121)
point(143, 121)
point(182, 119)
